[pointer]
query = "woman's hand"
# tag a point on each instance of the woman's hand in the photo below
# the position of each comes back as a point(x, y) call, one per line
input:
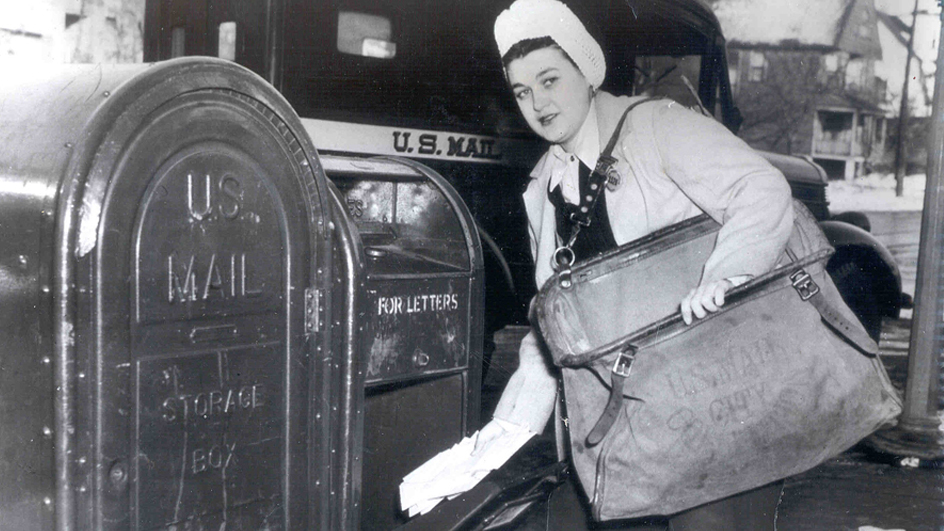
point(705, 298)
point(487, 434)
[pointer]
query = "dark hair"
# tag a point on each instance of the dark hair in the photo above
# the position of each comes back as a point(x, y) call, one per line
point(526, 46)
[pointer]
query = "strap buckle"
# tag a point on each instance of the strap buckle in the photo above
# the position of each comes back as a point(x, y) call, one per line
point(804, 284)
point(624, 361)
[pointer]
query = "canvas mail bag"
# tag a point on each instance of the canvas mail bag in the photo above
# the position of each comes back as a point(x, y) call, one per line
point(665, 416)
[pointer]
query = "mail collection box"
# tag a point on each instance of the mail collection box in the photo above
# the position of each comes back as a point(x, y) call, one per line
point(199, 330)
point(166, 275)
point(421, 320)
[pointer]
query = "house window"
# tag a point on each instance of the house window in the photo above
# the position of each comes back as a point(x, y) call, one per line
point(831, 62)
point(178, 37)
point(733, 57)
point(834, 122)
point(366, 35)
point(226, 46)
point(758, 67)
point(854, 71)
point(881, 89)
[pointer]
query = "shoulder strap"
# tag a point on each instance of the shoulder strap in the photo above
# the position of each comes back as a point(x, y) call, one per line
point(604, 167)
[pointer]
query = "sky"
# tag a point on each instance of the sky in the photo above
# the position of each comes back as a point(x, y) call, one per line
point(928, 26)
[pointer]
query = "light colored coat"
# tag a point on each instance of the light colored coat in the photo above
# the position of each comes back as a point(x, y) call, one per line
point(675, 164)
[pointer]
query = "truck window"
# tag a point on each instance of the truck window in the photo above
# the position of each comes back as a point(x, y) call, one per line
point(226, 45)
point(667, 76)
point(366, 35)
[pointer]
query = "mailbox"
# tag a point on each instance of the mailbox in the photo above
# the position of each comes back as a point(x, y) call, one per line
point(420, 323)
point(167, 280)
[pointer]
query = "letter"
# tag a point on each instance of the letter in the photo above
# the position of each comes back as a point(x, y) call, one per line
point(716, 410)
point(380, 305)
point(198, 212)
point(740, 400)
point(485, 149)
point(216, 402)
point(187, 292)
point(455, 147)
point(230, 197)
point(427, 144)
point(231, 449)
point(232, 276)
point(425, 300)
point(170, 412)
point(673, 379)
point(396, 141)
point(199, 461)
point(230, 401)
point(471, 148)
point(455, 301)
point(246, 292)
point(185, 400)
point(245, 397)
point(399, 305)
point(215, 457)
point(214, 280)
point(355, 207)
point(258, 396)
point(201, 405)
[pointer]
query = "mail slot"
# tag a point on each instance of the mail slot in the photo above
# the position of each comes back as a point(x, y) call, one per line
point(421, 320)
point(166, 283)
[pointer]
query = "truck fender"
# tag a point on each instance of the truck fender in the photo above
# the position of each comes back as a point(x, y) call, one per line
point(865, 272)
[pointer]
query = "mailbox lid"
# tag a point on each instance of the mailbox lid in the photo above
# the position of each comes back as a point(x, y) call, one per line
point(410, 220)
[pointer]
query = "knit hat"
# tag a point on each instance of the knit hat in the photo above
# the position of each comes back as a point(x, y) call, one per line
point(532, 19)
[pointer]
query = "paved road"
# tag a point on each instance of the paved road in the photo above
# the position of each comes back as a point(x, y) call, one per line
point(899, 232)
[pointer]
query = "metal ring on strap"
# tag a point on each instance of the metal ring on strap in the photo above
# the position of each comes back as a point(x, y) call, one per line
point(564, 258)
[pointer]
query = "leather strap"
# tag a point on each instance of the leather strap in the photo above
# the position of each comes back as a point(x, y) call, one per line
point(618, 376)
point(601, 172)
point(807, 289)
point(844, 327)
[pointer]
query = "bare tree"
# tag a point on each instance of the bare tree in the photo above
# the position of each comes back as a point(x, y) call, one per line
point(778, 108)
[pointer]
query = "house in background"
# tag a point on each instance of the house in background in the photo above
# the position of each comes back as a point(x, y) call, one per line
point(71, 31)
point(804, 77)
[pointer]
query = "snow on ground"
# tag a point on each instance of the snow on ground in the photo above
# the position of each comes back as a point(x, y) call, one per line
point(875, 192)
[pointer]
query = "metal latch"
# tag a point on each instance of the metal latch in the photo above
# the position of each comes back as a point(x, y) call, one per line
point(804, 284)
point(312, 310)
point(624, 362)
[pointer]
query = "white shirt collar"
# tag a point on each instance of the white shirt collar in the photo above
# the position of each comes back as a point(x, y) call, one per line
point(565, 169)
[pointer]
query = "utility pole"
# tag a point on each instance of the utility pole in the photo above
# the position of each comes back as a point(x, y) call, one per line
point(918, 433)
point(900, 158)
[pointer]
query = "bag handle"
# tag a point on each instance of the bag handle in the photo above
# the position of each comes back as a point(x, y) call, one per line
point(602, 174)
point(809, 291)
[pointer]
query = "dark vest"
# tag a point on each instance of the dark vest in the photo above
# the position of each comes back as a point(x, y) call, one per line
point(593, 239)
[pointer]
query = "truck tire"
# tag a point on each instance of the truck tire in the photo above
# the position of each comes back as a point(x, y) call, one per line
point(856, 286)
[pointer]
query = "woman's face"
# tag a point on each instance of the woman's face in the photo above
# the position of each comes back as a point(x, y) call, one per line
point(552, 93)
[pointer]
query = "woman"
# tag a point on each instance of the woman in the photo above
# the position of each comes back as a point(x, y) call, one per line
point(674, 164)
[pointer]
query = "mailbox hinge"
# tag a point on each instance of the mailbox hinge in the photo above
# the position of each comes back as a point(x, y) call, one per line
point(312, 310)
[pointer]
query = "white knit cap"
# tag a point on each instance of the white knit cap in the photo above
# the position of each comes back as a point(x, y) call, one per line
point(533, 19)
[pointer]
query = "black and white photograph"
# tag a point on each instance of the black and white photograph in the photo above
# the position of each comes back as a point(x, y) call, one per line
point(471, 265)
